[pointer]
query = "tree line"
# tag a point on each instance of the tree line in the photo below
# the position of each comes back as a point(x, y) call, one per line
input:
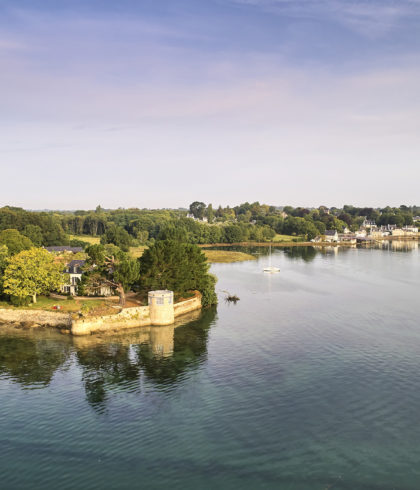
point(245, 222)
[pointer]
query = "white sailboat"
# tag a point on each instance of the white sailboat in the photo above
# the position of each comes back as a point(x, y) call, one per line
point(270, 269)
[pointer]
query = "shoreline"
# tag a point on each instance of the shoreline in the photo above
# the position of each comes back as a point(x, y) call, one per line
point(307, 244)
point(69, 323)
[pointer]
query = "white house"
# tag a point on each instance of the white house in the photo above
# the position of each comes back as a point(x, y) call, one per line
point(331, 236)
point(411, 229)
point(74, 272)
point(368, 223)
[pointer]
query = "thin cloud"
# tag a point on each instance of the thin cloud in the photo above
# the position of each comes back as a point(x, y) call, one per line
point(370, 18)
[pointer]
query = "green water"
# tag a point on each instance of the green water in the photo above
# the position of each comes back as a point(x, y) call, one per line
point(311, 381)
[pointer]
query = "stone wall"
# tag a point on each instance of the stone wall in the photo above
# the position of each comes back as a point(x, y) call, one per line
point(36, 317)
point(128, 318)
point(125, 319)
point(188, 305)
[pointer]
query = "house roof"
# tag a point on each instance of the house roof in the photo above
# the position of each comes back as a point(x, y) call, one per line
point(75, 267)
point(64, 249)
point(330, 232)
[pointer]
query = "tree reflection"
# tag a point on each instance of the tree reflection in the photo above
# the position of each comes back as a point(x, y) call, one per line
point(161, 354)
point(31, 360)
point(104, 366)
point(307, 254)
point(190, 350)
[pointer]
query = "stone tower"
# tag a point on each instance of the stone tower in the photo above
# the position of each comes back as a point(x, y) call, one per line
point(161, 307)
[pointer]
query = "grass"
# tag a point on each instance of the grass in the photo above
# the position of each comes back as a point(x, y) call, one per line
point(285, 238)
point(93, 240)
point(137, 252)
point(68, 306)
point(220, 256)
point(226, 256)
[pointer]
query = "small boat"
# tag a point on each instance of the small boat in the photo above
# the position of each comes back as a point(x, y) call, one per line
point(270, 269)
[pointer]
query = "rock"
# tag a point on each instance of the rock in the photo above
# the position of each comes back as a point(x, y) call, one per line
point(26, 324)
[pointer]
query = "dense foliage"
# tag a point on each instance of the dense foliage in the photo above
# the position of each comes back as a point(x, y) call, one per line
point(246, 222)
point(14, 241)
point(32, 272)
point(180, 267)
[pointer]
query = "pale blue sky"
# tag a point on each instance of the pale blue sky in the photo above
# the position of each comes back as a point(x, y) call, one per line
point(159, 103)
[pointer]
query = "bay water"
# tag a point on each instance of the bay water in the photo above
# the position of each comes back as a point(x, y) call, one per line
point(310, 381)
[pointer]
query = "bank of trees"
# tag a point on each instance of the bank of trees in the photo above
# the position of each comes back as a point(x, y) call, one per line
point(245, 222)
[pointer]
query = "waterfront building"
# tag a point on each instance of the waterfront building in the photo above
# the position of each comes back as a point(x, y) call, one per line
point(331, 236)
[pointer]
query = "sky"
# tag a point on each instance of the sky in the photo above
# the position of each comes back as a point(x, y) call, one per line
point(158, 103)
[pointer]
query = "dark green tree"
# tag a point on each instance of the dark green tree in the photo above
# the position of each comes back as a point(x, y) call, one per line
point(197, 209)
point(117, 236)
point(34, 233)
point(180, 267)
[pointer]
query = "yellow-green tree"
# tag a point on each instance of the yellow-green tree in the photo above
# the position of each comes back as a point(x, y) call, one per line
point(4, 253)
point(32, 272)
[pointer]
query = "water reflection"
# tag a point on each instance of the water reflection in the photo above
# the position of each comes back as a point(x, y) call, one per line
point(32, 360)
point(160, 355)
point(307, 254)
point(399, 245)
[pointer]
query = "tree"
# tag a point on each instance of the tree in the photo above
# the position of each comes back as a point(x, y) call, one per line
point(210, 213)
point(34, 233)
point(32, 272)
point(4, 254)
point(180, 267)
point(117, 236)
point(15, 241)
point(197, 209)
point(110, 266)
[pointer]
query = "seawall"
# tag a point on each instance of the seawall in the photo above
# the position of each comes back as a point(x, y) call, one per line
point(36, 317)
point(125, 319)
point(128, 318)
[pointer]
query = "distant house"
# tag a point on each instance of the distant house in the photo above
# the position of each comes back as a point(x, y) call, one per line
point(368, 223)
point(62, 249)
point(347, 238)
point(378, 234)
point(387, 229)
point(191, 216)
point(411, 229)
point(74, 271)
point(331, 236)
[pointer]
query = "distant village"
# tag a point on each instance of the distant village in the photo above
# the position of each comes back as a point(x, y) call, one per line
point(369, 231)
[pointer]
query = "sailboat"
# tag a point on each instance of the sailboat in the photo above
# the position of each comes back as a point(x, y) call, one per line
point(270, 269)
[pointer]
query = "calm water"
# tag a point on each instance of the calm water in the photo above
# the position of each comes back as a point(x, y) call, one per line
point(311, 381)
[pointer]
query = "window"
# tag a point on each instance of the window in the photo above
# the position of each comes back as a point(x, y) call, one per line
point(160, 301)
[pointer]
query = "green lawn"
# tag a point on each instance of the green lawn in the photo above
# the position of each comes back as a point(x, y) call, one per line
point(286, 238)
point(86, 238)
point(72, 305)
point(137, 252)
point(225, 256)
